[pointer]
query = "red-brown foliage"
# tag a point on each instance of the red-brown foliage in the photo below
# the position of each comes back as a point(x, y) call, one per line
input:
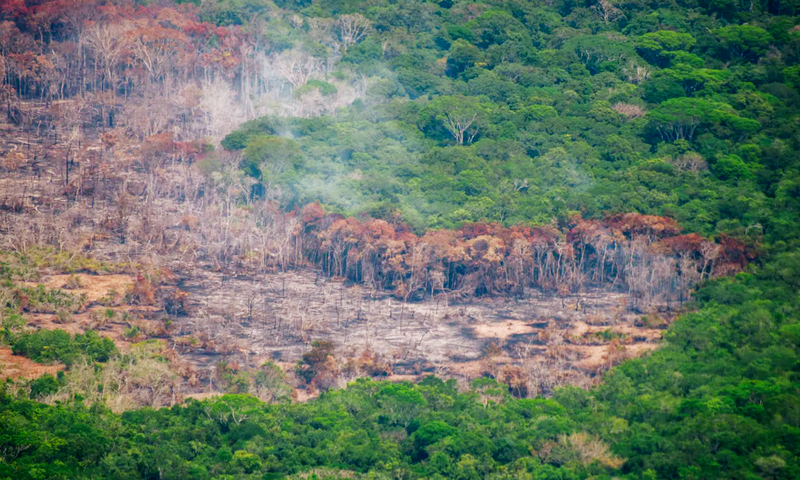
point(488, 258)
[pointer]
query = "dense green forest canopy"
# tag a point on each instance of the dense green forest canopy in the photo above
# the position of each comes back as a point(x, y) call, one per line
point(520, 113)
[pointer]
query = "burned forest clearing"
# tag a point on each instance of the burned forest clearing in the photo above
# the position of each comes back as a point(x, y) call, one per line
point(248, 320)
point(156, 254)
point(399, 240)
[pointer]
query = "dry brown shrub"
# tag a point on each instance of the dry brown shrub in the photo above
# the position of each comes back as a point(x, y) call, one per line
point(579, 448)
point(368, 363)
point(223, 346)
point(142, 292)
point(96, 319)
point(597, 320)
point(690, 162)
point(517, 381)
point(629, 110)
point(493, 350)
point(13, 160)
point(590, 448)
point(556, 350)
point(174, 300)
point(124, 383)
point(189, 222)
point(327, 375)
point(186, 343)
point(73, 282)
point(615, 353)
point(63, 316)
point(155, 329)
point(401, 291)
point(549, 333)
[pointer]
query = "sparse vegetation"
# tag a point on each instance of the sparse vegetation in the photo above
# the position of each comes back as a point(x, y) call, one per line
point(48, 300)
point(73, 282)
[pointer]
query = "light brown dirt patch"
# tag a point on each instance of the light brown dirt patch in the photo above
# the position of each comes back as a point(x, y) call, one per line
point(94, 286)
point(15, 366)
point(502, 330)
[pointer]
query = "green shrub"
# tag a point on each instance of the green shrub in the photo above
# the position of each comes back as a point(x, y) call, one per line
point(46, 346)
point(43, 386)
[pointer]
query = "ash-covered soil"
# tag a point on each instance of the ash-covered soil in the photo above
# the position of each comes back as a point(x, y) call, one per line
point(277, 316)
point(541, 340)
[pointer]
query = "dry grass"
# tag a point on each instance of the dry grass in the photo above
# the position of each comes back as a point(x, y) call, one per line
point(95, 287)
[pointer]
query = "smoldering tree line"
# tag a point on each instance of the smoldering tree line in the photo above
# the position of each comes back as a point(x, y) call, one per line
point(644, 255)
point(157, 69)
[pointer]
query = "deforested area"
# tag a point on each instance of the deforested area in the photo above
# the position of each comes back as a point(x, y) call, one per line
point(400, 239)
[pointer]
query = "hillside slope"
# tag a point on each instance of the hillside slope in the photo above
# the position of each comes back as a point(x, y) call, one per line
point(270, 199)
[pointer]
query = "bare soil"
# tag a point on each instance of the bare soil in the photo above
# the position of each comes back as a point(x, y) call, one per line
point(502, 330)
point(277, 316)
point(251, 319)
point(16, 367)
